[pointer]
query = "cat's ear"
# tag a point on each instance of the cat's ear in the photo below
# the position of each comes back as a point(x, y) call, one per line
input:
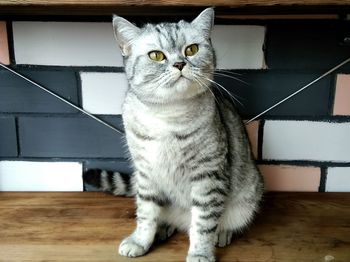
point(125, 32)
point(205, 21)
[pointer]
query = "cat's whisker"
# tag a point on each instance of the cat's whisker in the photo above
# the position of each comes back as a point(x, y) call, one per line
point(232, 77)
point(208, 75)
point(233, 98)
point(221, 72)
point(155, 79)
point(217, 70)
point(201, 70)
point(227, 72)
point(167, 81)
point(160, 80)
point(197, 79)
point(162, 75)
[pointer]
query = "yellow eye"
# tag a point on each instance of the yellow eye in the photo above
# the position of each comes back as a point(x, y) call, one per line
point(156, 56)
point(191, 50)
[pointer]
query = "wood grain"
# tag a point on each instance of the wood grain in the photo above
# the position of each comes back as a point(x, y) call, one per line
point(167, 7)
point(89, 226)
point(227, 3)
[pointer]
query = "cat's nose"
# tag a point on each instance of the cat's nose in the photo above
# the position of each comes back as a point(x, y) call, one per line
point(179, 65)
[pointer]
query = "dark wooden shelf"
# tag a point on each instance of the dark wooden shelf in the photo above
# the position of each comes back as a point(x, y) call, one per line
point(168, 7)
point(89, 226)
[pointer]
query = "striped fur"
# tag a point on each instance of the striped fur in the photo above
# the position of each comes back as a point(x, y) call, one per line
point(119, 184)
point(194, 170)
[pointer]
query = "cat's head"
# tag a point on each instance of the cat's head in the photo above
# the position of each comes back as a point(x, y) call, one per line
point(169, 61)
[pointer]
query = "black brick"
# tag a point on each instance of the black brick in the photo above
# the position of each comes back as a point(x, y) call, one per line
point(305, 45)
point(268, 87)
point(17, 95)
point(71, 137)
point(8, 140)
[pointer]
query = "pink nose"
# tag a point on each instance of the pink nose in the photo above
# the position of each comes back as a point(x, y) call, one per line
point(179, 65)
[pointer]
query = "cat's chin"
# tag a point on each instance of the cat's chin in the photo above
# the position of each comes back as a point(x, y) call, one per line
point(182, 83)
point(186, 88)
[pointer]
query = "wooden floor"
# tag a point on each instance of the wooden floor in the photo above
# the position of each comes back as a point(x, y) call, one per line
point(89, 226)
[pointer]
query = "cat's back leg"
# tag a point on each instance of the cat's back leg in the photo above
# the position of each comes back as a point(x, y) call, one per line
point(235, 219)
point(239, 212)
point(164, 231)
point(224, 238)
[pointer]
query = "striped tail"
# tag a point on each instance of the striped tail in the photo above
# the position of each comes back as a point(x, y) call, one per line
point(118, 184)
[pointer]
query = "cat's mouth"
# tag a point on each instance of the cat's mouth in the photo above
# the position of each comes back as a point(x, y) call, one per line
point(181, 83)
point(181, 78)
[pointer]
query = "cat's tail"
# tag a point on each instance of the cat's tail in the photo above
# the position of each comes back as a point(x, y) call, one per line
point(118, 184)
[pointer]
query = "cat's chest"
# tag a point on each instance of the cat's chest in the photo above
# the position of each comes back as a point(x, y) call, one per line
point(164, 163)
point(155, 139)
point(154, 144)
point(163, 154)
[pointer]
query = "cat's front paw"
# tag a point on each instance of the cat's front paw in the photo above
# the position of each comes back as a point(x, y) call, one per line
point(200, 258)
point(129, 248)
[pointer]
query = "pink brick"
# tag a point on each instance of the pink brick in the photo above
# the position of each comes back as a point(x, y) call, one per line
point(342, 95)
point(252, 130)
point(291, 178)
point(4, 50)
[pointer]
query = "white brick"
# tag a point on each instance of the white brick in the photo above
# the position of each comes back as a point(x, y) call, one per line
point(103, 93)
point(93, 44)
point(65, 44)
point(239, 46)
point(40, 176)
point(306, 140)
point(338, 179)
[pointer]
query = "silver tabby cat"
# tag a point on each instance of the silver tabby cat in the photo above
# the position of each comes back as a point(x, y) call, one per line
point(194, 170)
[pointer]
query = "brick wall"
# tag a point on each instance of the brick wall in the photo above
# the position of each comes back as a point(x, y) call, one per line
point(302, 145)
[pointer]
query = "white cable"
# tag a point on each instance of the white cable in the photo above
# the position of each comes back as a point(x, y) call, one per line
point(298, 91)
point(120, 132)
point(62, 99)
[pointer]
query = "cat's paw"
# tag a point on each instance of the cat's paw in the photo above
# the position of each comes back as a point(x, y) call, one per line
point(200, 258)
point(164, 232)
point(129, 248)
point(224, 238)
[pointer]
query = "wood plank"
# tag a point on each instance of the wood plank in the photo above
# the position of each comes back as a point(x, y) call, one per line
point(89, 227)
point(226, 3)
point(167, 7)
point(280, 17)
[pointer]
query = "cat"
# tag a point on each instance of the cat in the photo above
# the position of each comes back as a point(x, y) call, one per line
point(194, 170)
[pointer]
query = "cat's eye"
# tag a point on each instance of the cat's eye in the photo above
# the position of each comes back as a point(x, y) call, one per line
point(156, 55)
point(191, 50)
